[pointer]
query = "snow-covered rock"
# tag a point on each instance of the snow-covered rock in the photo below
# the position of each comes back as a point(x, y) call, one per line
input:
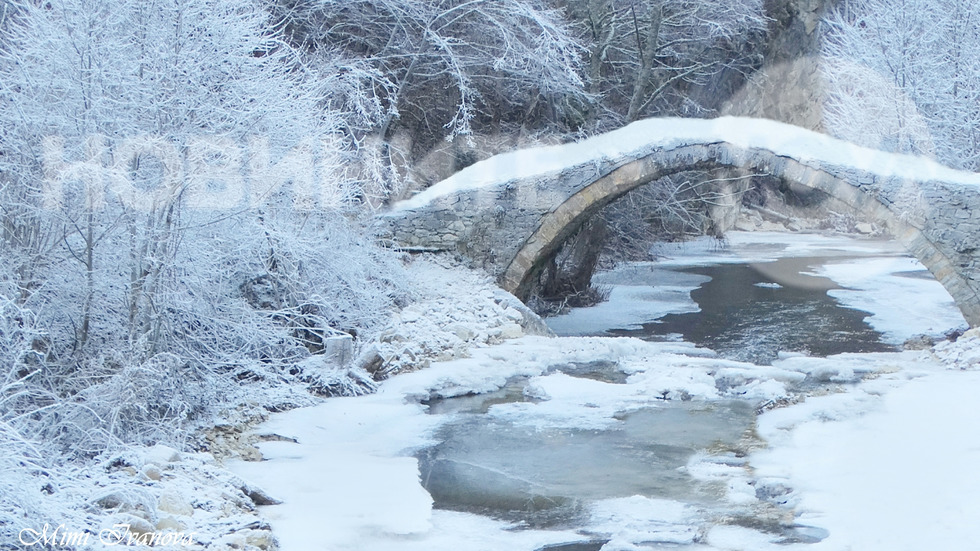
point(963, 353)
point(456, 309)
point(160, 455)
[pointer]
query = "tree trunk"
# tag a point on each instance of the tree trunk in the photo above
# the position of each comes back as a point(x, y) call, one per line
point(646, 52)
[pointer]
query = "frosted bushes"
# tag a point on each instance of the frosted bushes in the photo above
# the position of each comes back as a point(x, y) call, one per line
point(150, 402)
point(21, 485)
point(487, 58)
point(270, 289)
point(136, 251)
point(329, 269)
point(206, 348)
point(123, 319)
point(212, 352)
point(24, 403)
point(29, 477)
point(145, 403)
point(215, 346)
point(209, 345)
point(17, 336)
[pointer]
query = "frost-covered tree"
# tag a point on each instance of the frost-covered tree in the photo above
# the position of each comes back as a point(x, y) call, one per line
point(172, 201)
point(445, 65)
point(644, 55)
point(904, 75)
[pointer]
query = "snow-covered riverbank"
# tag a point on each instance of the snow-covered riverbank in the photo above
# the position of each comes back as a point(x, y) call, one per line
point(889, 466)
point(351, 482)
point(846, 461)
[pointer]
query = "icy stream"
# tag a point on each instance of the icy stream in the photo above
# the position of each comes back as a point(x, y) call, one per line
point(586, 442)
point(755, 302)
point(544, 476)
point(745, 315)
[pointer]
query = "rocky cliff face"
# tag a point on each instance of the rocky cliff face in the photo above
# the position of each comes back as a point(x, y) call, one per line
point(788, 86)
point(793, 30)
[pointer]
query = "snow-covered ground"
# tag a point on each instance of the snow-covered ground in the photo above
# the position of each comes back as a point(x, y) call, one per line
point(879, 455)
point(902, 301)
point(889, 466)
point(453, 310)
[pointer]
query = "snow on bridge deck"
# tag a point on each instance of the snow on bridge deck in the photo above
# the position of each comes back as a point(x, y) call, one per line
point(643, 137)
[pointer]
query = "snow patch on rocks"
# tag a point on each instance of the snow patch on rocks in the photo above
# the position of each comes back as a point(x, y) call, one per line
point(155, 496)
point(962, 354)
point(456, 309)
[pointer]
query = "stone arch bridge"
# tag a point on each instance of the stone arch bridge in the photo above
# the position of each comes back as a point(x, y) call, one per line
point(512, 212)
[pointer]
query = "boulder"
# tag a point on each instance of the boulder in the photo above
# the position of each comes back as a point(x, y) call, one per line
point(531, 323)
point(370, 360)
point(160, 455)
point(338, 349)
point(510, 331)
point(175, 505)
point(463, 332)
point(170, 524)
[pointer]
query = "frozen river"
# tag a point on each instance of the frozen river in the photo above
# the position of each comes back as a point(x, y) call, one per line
point(735, 418)
point(752, 299)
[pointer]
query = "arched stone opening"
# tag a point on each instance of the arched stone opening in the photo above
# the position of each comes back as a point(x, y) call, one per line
point(949, 262)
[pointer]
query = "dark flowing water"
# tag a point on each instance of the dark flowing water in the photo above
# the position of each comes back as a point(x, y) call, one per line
point(750, 312)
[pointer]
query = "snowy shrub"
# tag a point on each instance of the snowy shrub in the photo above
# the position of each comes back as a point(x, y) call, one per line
point(21, 497)
point(148, 403)
point(139, 297)
point(447, 65)
point(29, 476)
point(17, 338)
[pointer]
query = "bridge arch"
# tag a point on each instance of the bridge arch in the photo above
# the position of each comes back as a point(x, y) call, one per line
point(519, 221)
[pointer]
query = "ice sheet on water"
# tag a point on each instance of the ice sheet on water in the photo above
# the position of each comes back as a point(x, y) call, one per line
point(639, 293)
point(809, 244)
point(739, 247)
point(348, 475)
point(883, 287)
point(628, 307)
point(766, 285)
point(573, 402)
